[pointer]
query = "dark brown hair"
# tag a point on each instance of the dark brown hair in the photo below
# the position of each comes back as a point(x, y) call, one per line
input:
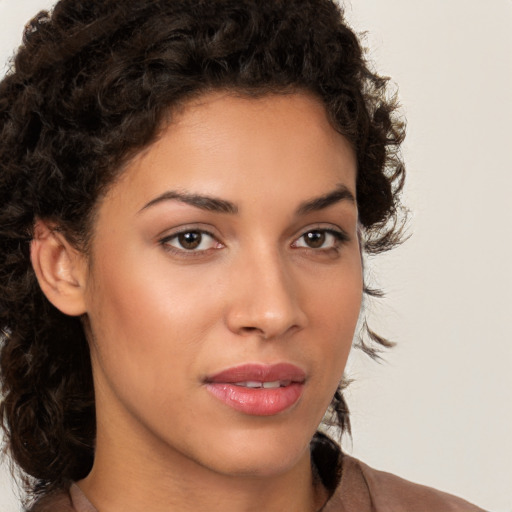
point(89, 88)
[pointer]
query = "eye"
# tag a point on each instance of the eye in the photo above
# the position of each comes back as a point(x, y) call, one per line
point(191, 241)
point(320, 239)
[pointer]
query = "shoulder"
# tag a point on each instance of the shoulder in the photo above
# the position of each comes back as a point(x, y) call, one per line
point(366, 489)
point(58, 502)
point(72, 500)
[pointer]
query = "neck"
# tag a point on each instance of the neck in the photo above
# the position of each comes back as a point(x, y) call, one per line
point(154, 476)
point(179, 485)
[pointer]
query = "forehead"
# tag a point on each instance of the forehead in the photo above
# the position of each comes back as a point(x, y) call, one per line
point(229, 146)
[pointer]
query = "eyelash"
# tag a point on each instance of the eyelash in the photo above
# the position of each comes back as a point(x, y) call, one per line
point(165, 242)
point(340, 238)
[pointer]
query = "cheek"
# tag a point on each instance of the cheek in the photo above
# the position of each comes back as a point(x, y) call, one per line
point(141, 291)
point(335, 316)
point(336, 299)
point(147, 323)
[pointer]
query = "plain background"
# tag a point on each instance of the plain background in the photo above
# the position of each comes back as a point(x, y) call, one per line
point(438, 410)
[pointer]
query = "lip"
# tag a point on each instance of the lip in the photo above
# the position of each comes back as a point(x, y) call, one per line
point(259, 372)
point(258, 401)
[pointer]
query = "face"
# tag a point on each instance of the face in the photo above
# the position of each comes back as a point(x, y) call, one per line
point(224, 285)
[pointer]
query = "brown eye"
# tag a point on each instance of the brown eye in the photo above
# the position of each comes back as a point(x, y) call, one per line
point(315, 239)
point(190, 240)
point(321, 239)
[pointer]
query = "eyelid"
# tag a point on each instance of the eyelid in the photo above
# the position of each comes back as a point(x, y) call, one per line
point(327, 228)
point(340, 235)
point(185, 228)
point(164, 240)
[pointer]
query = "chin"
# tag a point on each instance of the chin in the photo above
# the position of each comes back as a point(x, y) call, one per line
point(261, 454)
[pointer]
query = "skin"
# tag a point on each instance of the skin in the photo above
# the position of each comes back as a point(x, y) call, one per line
point(162, 317)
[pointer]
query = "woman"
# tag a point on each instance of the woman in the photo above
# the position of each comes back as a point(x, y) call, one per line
point(188, 189)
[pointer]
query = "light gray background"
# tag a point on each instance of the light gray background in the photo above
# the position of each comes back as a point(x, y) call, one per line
point(439, 409)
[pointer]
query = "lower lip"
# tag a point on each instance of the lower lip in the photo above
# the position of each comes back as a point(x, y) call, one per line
point(257, 401)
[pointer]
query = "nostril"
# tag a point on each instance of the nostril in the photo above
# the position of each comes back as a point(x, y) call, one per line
point(254, 330)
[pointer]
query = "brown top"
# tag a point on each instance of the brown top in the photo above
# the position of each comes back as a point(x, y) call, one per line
point(364, 489)
point(355, 487)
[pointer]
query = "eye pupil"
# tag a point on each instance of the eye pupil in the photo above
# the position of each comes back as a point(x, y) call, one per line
point(190, 240)
point(315, 239)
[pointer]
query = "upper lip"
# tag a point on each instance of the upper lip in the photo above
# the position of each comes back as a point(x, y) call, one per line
point(259, 373)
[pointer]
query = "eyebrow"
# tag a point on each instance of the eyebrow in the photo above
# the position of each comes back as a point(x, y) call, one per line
point(213, 204)
point(341, 193)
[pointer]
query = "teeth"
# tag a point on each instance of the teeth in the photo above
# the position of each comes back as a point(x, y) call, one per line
point(266, 385)
point(252, 384)
point(249, 384)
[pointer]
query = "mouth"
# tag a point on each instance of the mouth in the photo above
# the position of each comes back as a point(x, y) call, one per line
point(258, 389)
point(266, 385)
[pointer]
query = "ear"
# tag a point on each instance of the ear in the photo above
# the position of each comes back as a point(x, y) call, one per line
point(60, 269)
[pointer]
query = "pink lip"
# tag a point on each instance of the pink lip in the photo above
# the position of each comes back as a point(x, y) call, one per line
point(258, 401)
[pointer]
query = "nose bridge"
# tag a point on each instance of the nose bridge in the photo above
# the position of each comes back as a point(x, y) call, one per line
point(266, 302)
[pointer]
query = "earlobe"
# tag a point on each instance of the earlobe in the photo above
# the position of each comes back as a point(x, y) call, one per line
point(59, 268)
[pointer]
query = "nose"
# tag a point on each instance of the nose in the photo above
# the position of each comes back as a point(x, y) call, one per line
point(266, 299)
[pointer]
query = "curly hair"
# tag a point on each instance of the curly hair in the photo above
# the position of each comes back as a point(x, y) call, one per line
point(90, 87)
